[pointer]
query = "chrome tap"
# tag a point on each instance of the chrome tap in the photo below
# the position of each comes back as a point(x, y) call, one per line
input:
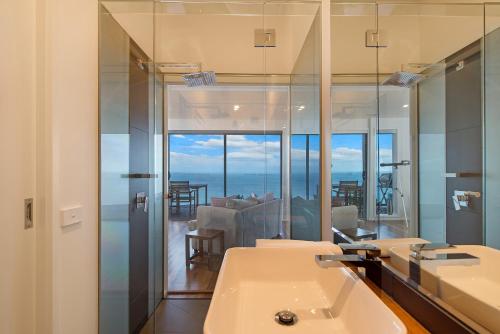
point(426, 252)
point(369, 259)
point(417, 249)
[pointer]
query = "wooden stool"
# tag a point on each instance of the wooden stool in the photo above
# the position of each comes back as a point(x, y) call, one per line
point(202, 234)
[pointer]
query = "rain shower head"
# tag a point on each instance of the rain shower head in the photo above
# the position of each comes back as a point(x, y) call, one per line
point(198, 79)
point(403, 79)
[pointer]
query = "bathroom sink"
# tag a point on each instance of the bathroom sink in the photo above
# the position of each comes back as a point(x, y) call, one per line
point(470, 286)
point(255, 284)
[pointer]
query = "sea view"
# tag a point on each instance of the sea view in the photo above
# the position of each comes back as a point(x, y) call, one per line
point(245, 184)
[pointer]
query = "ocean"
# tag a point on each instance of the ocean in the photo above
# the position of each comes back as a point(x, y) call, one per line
point(245, 184)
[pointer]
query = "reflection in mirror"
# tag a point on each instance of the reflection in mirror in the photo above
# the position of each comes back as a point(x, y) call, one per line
point(412, 125)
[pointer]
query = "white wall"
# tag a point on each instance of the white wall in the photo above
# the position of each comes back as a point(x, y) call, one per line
point(71, 96)
point(48, 144)
point(17, 133)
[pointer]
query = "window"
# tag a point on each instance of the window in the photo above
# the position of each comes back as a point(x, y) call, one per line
point(198, 159)
point(386, 181)
point(230, 164)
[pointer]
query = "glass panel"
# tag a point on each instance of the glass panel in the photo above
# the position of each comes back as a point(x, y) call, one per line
point(432, 157)
point(211, 130)
point(418, 42)
point(354, 118)
point(131, 196)
point(491, 122)
point(304, 131)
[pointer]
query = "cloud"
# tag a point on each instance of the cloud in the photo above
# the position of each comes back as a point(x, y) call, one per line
point(244, 155)
point(210, 143)
point(195, 163)
point(347, 154)
point(300, 154)
point(179, 136)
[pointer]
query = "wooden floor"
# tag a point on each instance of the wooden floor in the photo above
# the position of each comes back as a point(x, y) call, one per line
point(182, 280)
point(388, 229)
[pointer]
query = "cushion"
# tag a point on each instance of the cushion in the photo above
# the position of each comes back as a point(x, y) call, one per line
point(220, 201)
point(266, 198)
point(240, 204)
point(344, 217)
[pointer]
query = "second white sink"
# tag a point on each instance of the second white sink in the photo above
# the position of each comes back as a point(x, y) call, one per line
point(256, 283)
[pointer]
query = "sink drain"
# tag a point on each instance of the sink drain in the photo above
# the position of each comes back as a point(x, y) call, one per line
point(286, 318)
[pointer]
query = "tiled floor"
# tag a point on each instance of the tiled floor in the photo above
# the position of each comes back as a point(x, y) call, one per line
point(178, 316)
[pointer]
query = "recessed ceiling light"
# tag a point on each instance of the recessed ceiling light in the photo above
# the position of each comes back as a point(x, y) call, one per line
point(236, 107)
point(405, 106)
point(301, 107)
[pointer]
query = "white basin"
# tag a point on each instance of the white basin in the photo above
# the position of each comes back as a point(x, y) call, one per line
point(470, 286)
point(256, 283)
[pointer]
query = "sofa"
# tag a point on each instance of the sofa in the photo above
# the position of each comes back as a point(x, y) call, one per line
point(242, 227)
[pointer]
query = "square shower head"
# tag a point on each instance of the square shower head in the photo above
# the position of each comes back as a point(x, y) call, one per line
point(200, 79)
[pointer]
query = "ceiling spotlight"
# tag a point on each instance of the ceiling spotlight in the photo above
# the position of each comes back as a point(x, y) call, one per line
point(405, 106)
point(302, 107)
point(236, 107)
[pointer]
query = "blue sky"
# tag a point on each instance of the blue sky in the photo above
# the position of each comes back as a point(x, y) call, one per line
point(261, 153)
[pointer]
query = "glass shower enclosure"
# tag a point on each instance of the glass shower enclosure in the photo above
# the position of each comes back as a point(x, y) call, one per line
point(250, 139)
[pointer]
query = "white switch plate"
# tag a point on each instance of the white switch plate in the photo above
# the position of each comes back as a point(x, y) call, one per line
point(71, 216)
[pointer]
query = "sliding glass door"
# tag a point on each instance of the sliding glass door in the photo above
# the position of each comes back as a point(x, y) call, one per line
point(349, 157)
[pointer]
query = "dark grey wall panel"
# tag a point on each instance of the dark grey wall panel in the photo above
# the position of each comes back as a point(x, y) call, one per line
point(464, 144)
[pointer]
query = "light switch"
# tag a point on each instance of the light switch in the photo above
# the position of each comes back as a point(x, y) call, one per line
point(71, 216)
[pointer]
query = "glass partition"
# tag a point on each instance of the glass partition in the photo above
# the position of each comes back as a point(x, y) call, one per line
point(229, 145)
point(353, 118)
point(430, 88)
point(131, 186)
point(491, 121)
point(305, 216)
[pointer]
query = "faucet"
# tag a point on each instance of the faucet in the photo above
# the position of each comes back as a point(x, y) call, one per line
point(417, 249)
point(351, 258)
point(425, 252)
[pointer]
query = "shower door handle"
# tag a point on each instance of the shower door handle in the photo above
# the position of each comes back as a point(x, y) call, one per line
point(461, 174)
point(140, 176)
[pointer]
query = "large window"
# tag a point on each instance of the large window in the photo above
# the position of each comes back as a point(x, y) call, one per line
point(198, 159)
point(230, 164)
